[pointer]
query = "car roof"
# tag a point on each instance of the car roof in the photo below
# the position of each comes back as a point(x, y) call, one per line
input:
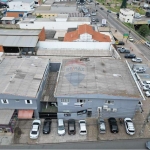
point(35, 128)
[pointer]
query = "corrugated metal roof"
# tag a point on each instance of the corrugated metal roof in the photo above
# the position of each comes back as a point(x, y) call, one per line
point(19, 32)
point(19, 41)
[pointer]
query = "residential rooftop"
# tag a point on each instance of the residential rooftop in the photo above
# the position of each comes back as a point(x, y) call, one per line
point(96, 76)
point(24, 1)
point(21, 76)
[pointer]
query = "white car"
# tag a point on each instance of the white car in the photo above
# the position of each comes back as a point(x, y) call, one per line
point(93, 13)
point(131, 39)
point(35, 131)
point(129, 126)
point(147, 43)
point(147, 93)
point(82, 130)
point(61, 127)
point(146, 87)
point(139, 70)
point(139, 60)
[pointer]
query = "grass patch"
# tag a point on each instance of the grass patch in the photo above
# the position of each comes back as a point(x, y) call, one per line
point(129, 25)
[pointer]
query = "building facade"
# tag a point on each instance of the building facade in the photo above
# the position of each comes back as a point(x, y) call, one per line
point(89, 87)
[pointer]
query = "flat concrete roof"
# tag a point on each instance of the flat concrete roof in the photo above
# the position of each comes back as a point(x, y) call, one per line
point(24, 1)
point(5, 116)
point(96, 76)
point(21, 76)
point(19, 32)
point(60, 34)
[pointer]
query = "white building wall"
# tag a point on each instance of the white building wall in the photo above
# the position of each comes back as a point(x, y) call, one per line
point(74, 45)
point(51, 25)
point(20, 6)
point(126, 15)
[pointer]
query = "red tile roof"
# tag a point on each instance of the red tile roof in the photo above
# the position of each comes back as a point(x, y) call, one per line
point(74, 35)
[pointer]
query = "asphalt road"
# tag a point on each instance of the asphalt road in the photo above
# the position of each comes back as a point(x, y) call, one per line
point(120, 144)
point(116, 23)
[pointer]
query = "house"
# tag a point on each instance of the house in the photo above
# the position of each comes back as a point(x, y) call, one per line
point(85, 33)
point(22, 81)
point(126, 15)
point(20, 41)
point(96, 87)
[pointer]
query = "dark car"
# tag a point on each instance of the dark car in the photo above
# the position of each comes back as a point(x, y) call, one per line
point(130, 56)
point(101, 8)
point(96, 20)
point(109, 11)
point(113, 125)
point(120, 43)
point(71, 127)
point(47, 126)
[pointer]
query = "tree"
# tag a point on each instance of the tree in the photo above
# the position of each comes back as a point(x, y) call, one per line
point(144, 30)
point(124, 4)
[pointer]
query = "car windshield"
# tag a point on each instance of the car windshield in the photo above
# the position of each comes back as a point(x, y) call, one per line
point(131, 130)
point(83, 131)
point(34, 132)
point(35, 123)
point(61, 127)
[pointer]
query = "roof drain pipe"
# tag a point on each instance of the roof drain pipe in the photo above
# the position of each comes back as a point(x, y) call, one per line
point(135, 80)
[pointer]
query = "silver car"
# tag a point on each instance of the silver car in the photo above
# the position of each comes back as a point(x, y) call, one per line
point(147, 43)
point(138, 60)
point(101, 125)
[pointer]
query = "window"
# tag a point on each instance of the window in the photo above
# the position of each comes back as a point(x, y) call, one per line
point(17, 100)
point(65, 100)
point(67, 114)
point(80, 100)
point(20, 15)
point(28, 101)
point(4, 101)
point(109, 102)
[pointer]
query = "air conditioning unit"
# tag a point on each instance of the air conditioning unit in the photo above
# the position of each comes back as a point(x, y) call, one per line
point(114, 109)
point(108, 109)
point(105, 107)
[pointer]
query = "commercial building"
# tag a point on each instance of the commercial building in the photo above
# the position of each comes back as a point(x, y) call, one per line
point(54, 23)
point(96, 87)
point(22, 81)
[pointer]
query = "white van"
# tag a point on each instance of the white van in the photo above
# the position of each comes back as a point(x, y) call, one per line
point(61, 127)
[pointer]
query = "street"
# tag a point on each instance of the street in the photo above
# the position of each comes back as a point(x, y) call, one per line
point(117, 144)
point(115, 23)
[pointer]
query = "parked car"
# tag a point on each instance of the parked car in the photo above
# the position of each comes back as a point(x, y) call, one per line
point(101, 125)
point(147, 93)
point(120, 43)
point(146, 87)
point(96, 20)
point(146, 83)
point(71, 127)
point(131, 39)
point(93, 20)
point(148, 144)
point(129, 126)
point(123, 50)
point(147, 43)
point(61, 127)
point(109, 11)
point(130, 56)
point(113, 125)
point(138, 60)
point(139, 70)
point(35, 131)
point(47, 126)
point(93, 13)
point(82, 130)
point(101, 8)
